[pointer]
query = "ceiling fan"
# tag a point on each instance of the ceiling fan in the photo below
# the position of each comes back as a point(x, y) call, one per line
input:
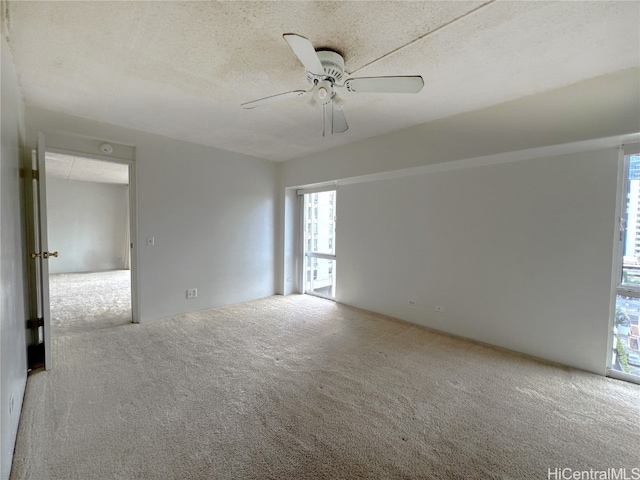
point(325, 72)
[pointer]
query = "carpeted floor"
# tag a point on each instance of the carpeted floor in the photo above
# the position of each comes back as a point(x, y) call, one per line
point(81, 302)
point(303, 388)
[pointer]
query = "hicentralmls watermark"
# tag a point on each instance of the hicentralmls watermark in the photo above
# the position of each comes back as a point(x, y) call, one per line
point(592, 474)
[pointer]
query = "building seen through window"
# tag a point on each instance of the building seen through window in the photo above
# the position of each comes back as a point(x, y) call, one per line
point(320, 239)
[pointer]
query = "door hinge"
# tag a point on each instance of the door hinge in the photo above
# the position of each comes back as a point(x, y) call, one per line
point(30, 173)
point(35, 322)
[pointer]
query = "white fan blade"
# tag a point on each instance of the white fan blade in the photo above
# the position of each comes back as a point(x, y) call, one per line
point(335, 118)
point(305, 52)
point(339, 121)
point(411, 84)
point(273, 99)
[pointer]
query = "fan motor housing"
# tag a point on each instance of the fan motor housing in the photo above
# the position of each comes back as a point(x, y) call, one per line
point(333, 65)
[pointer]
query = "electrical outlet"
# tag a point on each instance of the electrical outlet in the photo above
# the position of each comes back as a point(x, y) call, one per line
point(12, 401)
point(412, 302)
point(192, 293)
point(439, 308)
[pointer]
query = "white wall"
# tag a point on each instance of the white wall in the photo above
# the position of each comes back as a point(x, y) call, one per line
point(598, 108)
point(483, 214)
point(13, 357)
point(87, 225)
point(519, 255)
point(288, 256)
point(210, 211)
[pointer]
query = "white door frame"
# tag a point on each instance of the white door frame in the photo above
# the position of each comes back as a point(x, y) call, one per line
point(38, 255)
point(133, 218)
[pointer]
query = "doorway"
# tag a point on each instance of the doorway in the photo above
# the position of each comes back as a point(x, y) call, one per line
point(319, 235)
point(88, 205)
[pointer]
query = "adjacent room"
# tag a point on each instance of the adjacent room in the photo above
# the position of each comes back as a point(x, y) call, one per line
point(88, 221)
point(320, 239)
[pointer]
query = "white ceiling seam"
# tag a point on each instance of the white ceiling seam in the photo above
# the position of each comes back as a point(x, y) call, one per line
point(423, 36)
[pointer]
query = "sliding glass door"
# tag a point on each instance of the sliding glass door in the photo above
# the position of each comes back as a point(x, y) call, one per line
point(319, 224)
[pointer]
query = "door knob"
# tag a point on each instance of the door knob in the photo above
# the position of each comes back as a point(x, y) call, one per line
point(44, 254)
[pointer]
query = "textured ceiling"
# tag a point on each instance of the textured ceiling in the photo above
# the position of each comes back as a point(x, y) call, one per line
point(182, 69)
point(82, 169)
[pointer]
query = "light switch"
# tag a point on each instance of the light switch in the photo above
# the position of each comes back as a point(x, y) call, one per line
point(151, 241)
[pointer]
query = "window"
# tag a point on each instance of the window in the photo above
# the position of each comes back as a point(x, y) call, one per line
point(625, 351)
point(319, 256)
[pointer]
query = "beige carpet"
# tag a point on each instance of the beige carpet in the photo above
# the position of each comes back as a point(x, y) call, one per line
point(81, 302)
point(302, 388)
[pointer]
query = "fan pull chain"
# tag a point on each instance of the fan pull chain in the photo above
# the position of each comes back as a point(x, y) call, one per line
point(332, 116)
point(324, 118)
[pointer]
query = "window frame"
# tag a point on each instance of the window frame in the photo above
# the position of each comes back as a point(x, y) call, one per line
point(312, 233)
point(619, 288)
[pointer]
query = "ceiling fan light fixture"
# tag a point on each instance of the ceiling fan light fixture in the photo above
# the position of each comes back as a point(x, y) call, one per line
point(311, 102)
point(325, 72)
point(323, 92)
point(337, 102)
